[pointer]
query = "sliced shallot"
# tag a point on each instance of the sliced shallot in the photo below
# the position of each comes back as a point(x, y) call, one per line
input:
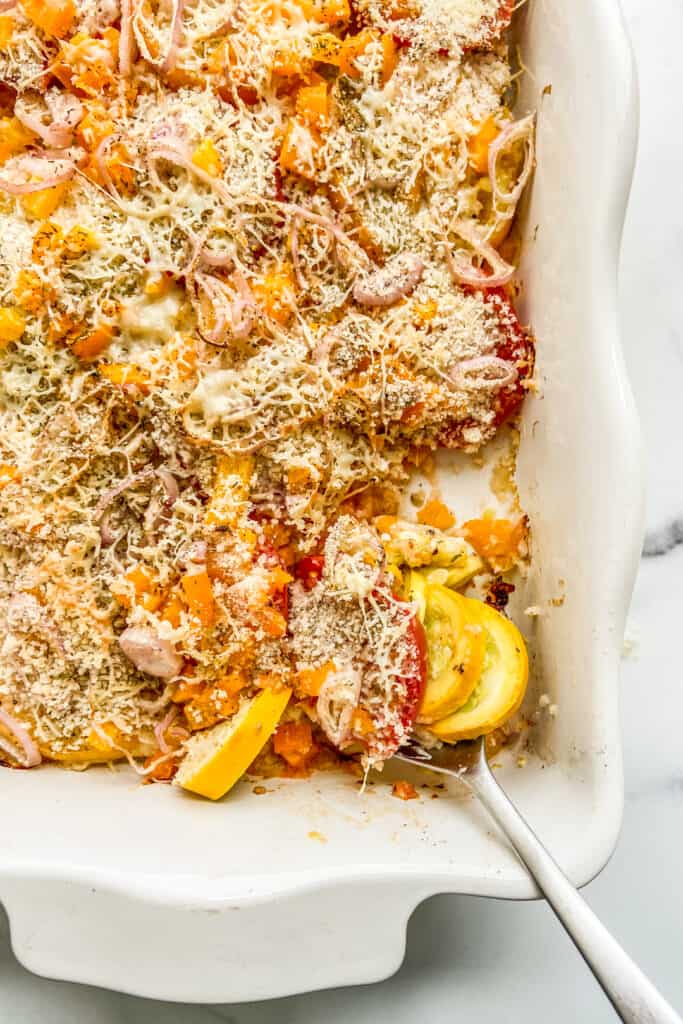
point(488, 373)
point(31, 754)
point(169, 60)
point(168, 145)
point(150, 653)
point(515, 132)
point(111, 493)
point(389, 284)
point(47, 171)
point(140, 26)
point(161, 727)
point(126, 39)
point(337, 700)
point(65, 110)
point(461, 265)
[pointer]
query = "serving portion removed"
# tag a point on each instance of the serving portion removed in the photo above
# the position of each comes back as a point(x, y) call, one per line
point(256, 266)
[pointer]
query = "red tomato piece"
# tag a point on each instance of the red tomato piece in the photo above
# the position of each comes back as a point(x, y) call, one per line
point(384, 742)
point(309, 570)
point(517, 347)
point(492, 27)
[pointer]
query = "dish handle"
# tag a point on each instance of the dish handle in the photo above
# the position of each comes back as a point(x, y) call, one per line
point(272, 945)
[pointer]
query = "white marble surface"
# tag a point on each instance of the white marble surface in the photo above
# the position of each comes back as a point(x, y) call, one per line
point(483, 960)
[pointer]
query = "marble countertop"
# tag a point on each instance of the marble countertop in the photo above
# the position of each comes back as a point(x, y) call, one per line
point(486, 960)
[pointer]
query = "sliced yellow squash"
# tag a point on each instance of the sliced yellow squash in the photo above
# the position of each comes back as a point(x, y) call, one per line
point(417, 545)
point(455, 647)
point(501, 686)
point(218, 757)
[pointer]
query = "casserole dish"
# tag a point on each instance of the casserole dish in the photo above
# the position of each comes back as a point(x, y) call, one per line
point(118, 885)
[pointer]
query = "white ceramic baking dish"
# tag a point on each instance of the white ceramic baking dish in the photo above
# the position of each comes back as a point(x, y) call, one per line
point(147, 891)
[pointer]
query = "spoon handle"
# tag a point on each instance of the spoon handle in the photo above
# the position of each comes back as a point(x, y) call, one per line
point(632, 995)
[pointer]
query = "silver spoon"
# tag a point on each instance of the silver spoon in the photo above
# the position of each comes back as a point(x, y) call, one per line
point(632, 995)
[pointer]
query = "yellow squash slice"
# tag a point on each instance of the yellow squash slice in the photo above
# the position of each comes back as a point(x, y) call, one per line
point(500, 688)
point(217, 758)
point(455, 648)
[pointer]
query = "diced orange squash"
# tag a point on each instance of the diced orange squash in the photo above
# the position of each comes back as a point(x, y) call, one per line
point(499, 541)
point(63, 326)
point(54, 17)
point(199, 596)
point(94, 343)
point(187, 689)
point(146, 591)
point(299, 148)
point(207, 158)
point(272, 622)
point(30, 291)
point(425, 311)
point(478, 145)
point(361, 722)
point(352, 48)
point(43, 203)
point(404, 790)
point(14, 137)
point(125, 374)
point(172, 609)
point(233, 683)
point(208, 707)
point(78, 241)
point(94, 126)
point(6, 30)
point(293, 741)
point(326, 49)
point(12, 324)
point(328, 12)
point(435, 513)
point(290, 61)
point(88, 63)
point(309, 680)
point(48, 240)
point(298, 478)
point(312, 104)
point(389, 57)
point(8, 474)
point(275, 292)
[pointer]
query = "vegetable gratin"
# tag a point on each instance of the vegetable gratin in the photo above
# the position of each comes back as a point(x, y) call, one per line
point(256, 267)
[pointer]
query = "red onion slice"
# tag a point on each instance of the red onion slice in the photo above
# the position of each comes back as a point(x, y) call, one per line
point(387, 285)
point(53, 171)
point(487, 373)
point(515, 132)
point(29, 749)
point(460, 262)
